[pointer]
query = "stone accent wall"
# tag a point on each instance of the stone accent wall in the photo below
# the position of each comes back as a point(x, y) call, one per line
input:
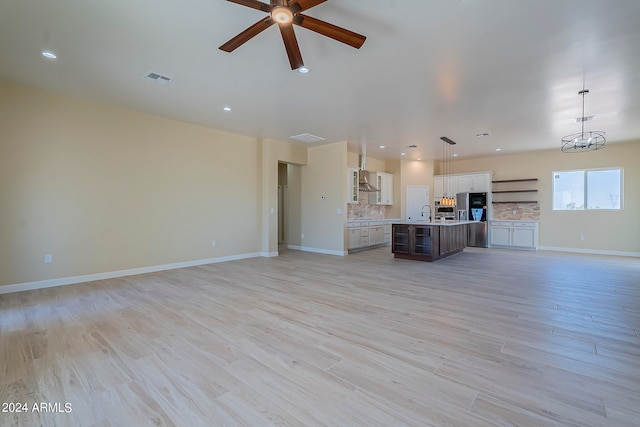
point(363, 210)
point(523, 211)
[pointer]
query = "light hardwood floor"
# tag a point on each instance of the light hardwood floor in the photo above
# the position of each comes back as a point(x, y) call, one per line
point(483, 338)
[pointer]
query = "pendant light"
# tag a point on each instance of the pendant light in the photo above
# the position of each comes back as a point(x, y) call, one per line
point(583, 141)
point(448, 198)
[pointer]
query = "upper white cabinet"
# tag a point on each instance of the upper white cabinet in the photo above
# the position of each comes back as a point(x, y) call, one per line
point(473, 183)
point(444, 186)
point(461, 183)
point(480, 183)
point(384, 183)
point(353, 179)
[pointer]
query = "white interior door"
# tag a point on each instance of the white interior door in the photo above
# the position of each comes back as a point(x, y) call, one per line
point(417, 197)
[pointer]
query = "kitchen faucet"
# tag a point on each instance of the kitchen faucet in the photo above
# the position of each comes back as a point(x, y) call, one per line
point(422, 211)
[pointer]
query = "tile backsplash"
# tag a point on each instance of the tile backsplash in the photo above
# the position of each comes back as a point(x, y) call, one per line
point(523, 211)
point(363, 210)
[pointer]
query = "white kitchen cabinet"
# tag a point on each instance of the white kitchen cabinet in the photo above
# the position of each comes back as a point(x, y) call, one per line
point(384, 183)
point(387, 234)
point(461, 183)
point(473, 183)
point(364, 236)
point(368, 233)
point(438, 187)
point(480, 183)
point(376, 235)
point(444, 186)
point(500, 234)
point(353, 238)
point(353, 181)
point(513, 234)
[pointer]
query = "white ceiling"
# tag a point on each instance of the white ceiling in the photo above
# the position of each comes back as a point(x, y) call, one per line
point(429, 68)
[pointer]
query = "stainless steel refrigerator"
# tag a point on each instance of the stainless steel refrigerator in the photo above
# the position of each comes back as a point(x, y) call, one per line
point(473, 206)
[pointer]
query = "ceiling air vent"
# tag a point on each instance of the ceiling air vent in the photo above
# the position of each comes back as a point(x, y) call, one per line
point(306, 137)
point(158, 78)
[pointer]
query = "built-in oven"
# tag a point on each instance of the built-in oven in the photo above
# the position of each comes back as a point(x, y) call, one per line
point(446, 212)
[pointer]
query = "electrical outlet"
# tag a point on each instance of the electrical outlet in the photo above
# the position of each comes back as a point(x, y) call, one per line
point(302, 235)
point(339, 211)
point(582, 237)
point(214, 243)
point(48, 259)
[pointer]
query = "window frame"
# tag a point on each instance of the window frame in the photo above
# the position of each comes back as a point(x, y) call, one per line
point(585, 173)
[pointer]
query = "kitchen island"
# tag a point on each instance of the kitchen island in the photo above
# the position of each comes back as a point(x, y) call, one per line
point(429, 241)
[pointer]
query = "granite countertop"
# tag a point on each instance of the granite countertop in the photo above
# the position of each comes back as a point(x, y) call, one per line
point(383, 220)
point(446, 223)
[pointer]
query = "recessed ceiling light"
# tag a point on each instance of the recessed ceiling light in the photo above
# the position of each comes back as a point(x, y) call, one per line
point(48, 54)
point(403, 154)
point(418, 159)
point(303, 70)
point(227, 108)
point(382, 146)
point(483, 134)
point(455, 155)
point(498, 149)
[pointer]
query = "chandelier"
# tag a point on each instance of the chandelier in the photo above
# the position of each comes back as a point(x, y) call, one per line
point(448, 198)
point(583, 141)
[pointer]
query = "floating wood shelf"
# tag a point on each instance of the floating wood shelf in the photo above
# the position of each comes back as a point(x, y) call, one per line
point(515, 191)
point(515, 180)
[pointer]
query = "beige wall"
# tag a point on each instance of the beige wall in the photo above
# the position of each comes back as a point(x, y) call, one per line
point(323, 193)
point(415, 172)
point(604, 231)
point(375, 165)
point(106, 189)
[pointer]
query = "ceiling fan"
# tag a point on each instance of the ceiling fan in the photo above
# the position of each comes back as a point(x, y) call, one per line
point(286, 13)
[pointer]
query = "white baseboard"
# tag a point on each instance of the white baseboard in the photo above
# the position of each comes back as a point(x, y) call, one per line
point(50, 283)
point(317, 250)
point(589, 251)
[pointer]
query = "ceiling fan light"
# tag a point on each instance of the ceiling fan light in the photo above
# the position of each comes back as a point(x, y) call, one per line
point(282, 15)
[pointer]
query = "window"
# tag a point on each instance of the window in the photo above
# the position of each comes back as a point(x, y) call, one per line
point(587, 189)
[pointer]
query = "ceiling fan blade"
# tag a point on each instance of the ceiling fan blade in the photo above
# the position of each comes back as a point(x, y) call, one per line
point(333, 31)
point(291, 45)
point(302, 5)
point(254, 4)
point(247, 34)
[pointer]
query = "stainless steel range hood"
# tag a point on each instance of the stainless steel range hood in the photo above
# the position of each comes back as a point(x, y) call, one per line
point(364, 185)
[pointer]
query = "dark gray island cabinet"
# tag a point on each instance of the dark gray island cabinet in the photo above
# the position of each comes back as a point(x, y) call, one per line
point(429, 241)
